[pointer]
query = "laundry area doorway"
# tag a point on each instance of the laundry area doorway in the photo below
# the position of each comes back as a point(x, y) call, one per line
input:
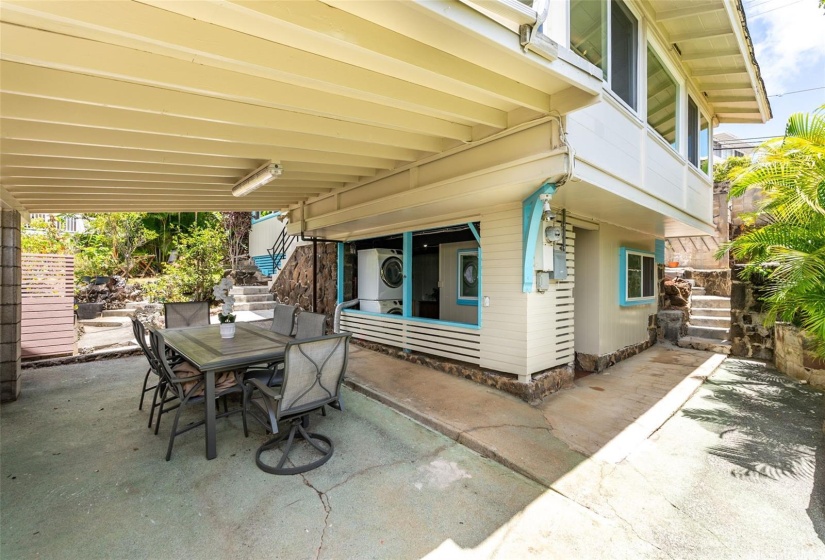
point(440, 281)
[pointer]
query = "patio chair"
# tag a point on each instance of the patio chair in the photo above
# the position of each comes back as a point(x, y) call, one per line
point(310, 325)
point(154, 368)
point(186, 314)
point(283, 319)
point(188, 385)
point(313, 372)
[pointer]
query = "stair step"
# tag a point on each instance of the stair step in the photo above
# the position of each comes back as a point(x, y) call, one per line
point(717, 302)
point(697, 291)
point(254, 298)
point(248, 290)
point(257, 305)
point(708, 321)
point(716, 333)
point(106, 322)
point(710, 311)
point(707, 344)
point(118, 312)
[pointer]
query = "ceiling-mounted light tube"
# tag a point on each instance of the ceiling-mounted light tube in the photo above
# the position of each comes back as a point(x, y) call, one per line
point(257, 178)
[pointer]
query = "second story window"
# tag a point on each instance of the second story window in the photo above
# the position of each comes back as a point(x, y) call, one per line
point(662, 99)
point(606, 33)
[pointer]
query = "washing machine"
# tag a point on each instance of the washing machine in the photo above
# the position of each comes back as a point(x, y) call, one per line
point(380, 274)
point(388, 306)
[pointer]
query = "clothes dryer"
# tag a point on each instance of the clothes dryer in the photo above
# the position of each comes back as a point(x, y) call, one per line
point(380, 274)
point(388, 306)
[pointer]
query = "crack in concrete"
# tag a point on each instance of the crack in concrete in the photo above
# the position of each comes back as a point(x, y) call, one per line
point(327, 509)
point(471, 430)
point(678, 509)
point(627, 523)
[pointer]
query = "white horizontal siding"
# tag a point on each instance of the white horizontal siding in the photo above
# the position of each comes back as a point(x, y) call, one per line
point(448, 341)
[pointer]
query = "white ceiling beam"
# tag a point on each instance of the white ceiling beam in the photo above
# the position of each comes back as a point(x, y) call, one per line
point(692, 9)
point(337, 35)
point(701, 35)
point(131, 26)
point(722, 71)
point(38, 48)
point(15, 184)
point(709, 53)
point(72, 114)
point(27, 163)
point(67, 86)
point(49, 132)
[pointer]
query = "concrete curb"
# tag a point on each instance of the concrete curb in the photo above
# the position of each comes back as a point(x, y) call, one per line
point(617, 449)
point(84, 358)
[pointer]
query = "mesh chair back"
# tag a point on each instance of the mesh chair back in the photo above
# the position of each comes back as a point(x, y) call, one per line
point(186, 314)
point(313, 372)
point(310, 325)
point(140, 336)
point(283, 319)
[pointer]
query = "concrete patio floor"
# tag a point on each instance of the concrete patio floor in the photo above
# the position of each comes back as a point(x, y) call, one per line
point(738, 472)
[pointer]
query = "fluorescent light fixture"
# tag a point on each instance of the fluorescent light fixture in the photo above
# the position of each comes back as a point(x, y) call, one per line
point(257, 178)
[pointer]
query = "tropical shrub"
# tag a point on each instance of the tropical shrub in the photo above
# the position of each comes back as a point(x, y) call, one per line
point(791, 173)
point(45, 237)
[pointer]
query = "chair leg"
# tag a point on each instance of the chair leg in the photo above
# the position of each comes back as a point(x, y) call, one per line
point(162, 404)
point(246, 392)
point(143, 391)
point(155, 403)
point(297, 429)
point(174, 432)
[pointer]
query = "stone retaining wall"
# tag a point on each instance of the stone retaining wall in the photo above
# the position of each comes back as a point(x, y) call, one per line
point(748, 335)
point(715, 282)
point(596, 364)
point(294, 283)
point(794, 356)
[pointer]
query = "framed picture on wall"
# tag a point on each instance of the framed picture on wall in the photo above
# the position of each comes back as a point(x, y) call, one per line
point(468, 276)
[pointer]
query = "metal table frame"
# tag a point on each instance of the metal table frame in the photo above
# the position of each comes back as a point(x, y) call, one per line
point(206, 350)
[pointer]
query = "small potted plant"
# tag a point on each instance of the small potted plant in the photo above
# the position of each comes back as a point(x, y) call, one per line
point(226, 317)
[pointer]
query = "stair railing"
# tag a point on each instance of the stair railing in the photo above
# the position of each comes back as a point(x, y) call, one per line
point(279, 249)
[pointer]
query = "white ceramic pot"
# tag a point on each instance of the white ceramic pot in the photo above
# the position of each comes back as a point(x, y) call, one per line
point(227, 330)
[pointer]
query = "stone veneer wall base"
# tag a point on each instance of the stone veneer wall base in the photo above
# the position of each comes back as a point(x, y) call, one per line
point(541, 385)
point(597, 364)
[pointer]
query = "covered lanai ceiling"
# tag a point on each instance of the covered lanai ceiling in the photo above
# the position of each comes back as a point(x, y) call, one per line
point(164, 105)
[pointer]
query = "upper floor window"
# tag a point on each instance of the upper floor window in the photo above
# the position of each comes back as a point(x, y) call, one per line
point(662, 99)
point(693, 132)
point(704, 144)
point(606, 33)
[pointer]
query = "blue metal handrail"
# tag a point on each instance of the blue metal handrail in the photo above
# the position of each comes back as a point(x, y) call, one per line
point(279, 249)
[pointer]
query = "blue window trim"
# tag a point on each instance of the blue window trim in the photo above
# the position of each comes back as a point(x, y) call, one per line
point(406, 264)
point(467, 300)
point(623, 301)
point(265, 218)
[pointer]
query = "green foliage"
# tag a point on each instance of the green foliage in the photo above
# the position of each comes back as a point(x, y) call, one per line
point(237, 226)
point(45, 237)
point(126, 233)
point(200, 265)
point(791, 173)
point(729, 169)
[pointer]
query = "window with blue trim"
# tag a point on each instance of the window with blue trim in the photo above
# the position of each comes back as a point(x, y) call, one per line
point(637, 277)
point(467, 277)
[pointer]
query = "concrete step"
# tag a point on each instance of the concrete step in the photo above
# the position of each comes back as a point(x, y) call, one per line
point(145, 305)
point(697, 291)
point(248, 290)
point(717, 302)
point(118, 312)
point(707, 344)
point(710, 311)
point(708, 321)
point(716, 333)
point(255, 306)
point(114, 322)
point(252, 298)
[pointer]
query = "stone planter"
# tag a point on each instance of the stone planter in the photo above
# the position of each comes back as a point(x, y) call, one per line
point(795, 358)
point(89, 310)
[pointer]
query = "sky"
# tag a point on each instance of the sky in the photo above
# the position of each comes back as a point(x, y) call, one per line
point(789, 41)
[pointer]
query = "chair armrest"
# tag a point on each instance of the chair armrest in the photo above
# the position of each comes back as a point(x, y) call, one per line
point(263, 388)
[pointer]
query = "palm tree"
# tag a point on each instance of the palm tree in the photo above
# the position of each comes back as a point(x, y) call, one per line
point(790, 171)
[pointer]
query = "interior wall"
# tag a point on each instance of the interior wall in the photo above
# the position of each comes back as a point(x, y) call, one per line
point(425, 276)
point(586, 291)
point(449, 309)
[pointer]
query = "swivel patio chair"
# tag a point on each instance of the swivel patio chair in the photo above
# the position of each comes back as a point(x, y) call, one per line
point(186, 314)
point(188, 385)
point(313, 372)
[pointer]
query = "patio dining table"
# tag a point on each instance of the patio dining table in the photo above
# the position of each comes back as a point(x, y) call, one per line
point(204, 348)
